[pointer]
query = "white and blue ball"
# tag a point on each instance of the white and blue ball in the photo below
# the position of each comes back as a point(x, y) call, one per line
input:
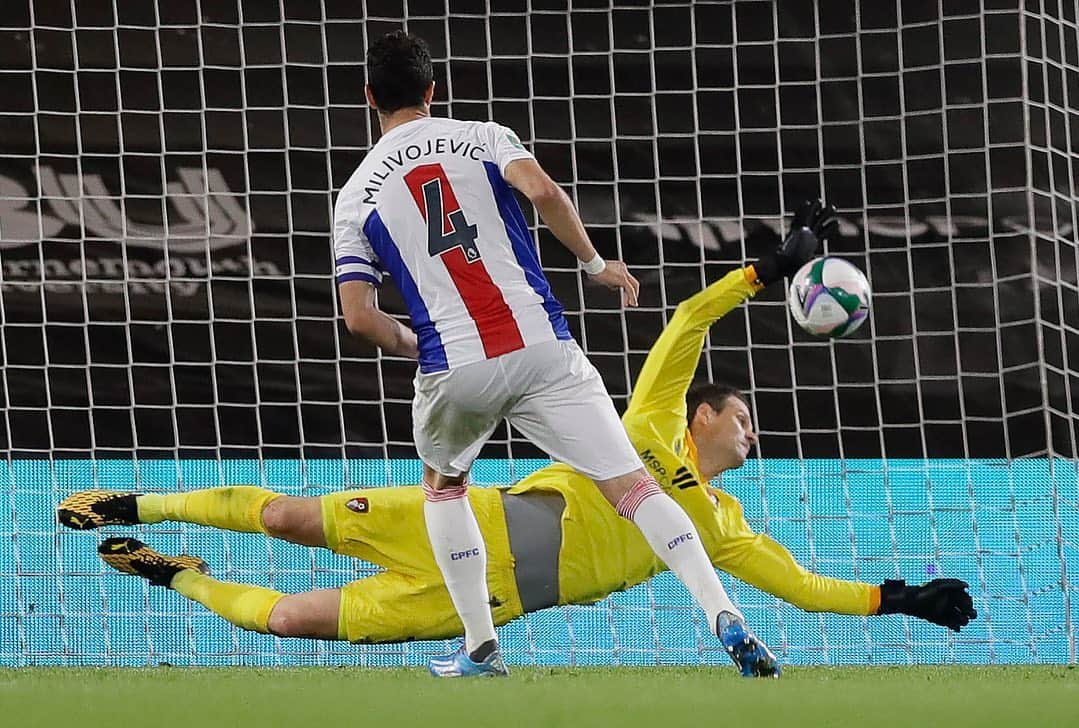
point(829, 297)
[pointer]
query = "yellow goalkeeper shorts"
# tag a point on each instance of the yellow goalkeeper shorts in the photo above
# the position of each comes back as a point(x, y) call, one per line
point(409, 601)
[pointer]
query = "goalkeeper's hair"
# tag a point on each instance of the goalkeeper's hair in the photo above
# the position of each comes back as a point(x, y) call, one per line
point(715, 395)
point(399, 70)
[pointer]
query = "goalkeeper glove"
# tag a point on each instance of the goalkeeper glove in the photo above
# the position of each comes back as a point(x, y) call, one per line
point(811, 224)
point(941, 601)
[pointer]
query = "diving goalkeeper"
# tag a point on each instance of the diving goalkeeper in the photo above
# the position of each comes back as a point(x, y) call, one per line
point(552, 538)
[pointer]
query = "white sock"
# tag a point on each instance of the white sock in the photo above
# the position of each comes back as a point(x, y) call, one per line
point(461, 556)
point(673, 537)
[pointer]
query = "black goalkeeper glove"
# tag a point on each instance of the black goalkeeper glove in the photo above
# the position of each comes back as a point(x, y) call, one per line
point(941, 601)
point(812, 223)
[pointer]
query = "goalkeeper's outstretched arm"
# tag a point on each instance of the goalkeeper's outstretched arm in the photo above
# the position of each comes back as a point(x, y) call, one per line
point(660, 391)
point(759, 560)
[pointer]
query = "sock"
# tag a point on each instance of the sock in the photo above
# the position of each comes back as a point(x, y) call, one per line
point(484, 651)
point(242, 604)
point(461, 556)
point(673, 537)
point(235, 508)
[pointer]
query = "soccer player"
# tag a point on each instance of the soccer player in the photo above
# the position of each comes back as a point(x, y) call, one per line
point(552, 538)
point(432, 206)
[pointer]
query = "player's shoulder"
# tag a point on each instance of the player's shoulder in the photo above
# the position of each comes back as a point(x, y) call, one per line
point(418, 133)
point(355, 194)
point(437, 126)
point(486, 132)
point(354, 181)
point(500, 133)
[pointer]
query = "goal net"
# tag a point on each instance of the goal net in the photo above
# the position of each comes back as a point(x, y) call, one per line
point(168, 317)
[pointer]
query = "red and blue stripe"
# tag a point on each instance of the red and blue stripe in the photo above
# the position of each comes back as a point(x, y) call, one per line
point(497, 327)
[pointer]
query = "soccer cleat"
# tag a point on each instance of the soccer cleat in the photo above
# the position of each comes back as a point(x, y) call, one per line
point(96, 508)
point(747, 651)
point(131, 556)
point(459, 664)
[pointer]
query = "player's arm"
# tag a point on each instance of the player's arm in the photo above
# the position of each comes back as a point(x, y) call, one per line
point(364, 318)
point(359, 272)
point(660, 390)
point(560, 216)
point(760, 561)
point(669, 368)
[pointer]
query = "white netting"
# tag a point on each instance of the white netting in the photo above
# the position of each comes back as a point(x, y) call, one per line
point(168, 318)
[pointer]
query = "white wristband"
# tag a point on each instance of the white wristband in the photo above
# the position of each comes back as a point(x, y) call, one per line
point(594, 266)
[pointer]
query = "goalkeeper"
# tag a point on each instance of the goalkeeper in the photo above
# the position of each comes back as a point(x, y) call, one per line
point(552, 538)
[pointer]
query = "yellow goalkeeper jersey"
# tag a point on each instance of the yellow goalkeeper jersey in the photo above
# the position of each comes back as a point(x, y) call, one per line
point(601, 552)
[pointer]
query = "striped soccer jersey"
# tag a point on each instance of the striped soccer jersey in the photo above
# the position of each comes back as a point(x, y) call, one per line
point(429, 207)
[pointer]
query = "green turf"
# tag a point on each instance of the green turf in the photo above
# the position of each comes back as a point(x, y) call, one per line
point(624, 697)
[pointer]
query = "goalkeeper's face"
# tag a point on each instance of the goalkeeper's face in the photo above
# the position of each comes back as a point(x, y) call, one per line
point(725, 436)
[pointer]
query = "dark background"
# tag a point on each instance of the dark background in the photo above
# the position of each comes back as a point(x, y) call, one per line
point(204, 323)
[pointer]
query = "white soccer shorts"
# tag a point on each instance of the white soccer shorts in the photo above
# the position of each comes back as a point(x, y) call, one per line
point(550, 392)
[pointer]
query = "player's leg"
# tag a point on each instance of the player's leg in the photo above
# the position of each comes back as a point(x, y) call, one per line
point(244, 605)
point(454, 413)
point(295, 519)
point(313, 614)
point(379, 525)
point(242, 508)
point(387, 607)
point(395, 607)
point(673, 537)
point(569, 413)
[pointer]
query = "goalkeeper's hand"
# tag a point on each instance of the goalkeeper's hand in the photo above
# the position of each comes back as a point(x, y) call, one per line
point(812, 223)
point(941, 601)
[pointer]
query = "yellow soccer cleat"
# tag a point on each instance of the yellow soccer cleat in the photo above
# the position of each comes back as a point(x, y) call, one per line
point(132, 556)
point(96, 508)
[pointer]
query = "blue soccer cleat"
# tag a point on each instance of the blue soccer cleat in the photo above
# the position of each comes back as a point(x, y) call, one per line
point(747, 651)
point(459, 664)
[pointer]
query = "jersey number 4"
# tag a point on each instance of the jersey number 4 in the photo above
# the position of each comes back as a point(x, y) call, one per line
point(447, 227)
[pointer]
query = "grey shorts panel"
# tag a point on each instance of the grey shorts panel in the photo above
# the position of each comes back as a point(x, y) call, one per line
point(534, 523)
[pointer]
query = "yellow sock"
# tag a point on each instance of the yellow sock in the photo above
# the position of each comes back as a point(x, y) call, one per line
point(242, 604)
point(235, 508)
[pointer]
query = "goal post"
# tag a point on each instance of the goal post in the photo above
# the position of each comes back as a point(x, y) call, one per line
point(168, 315)
point(1052, 78)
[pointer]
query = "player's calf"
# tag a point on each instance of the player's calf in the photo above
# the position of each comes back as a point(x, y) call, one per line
point(313, 614)
point(245, 509)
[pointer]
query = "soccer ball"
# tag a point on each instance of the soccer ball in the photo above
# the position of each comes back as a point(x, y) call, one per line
point(829, 297)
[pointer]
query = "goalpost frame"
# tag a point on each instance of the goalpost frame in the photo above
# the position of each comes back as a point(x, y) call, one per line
point(168, 319)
